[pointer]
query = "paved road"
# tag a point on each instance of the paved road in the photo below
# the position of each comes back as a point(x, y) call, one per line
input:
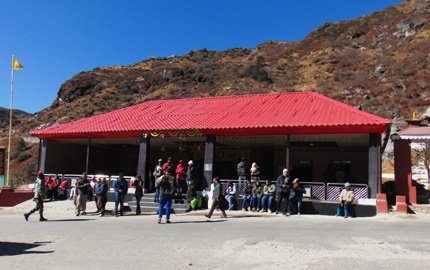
point(193, 242)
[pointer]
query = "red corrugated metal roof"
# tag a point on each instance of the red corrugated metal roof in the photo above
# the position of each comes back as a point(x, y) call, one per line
point(283, 113)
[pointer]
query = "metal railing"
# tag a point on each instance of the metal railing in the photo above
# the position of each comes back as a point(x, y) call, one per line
point(314, 190)
point(361, 191)
point(73, 178)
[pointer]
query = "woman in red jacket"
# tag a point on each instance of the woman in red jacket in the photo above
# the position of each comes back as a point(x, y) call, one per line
point(181, 173)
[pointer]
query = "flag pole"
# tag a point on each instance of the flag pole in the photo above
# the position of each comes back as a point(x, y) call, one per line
point(10, 126)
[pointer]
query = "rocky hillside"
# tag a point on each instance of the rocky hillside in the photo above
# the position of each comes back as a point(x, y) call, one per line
point(18, 119)
point(379, 62)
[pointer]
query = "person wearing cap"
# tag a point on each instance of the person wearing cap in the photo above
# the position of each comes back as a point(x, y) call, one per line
point(181, 172)
point(346, 198)
point(296, 197)
point(168, 166)
point(39, 191)
point(158, 172)
point(282, 191)
point(167, 185)
point(191, 174)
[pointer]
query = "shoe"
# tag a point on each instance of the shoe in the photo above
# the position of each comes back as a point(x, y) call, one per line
point(159, 221)
point(298, 214)
point(101, 215)
point(223, 216)
point(270, 211)
point(277, 213)
point(77, 214)
point(207, 216)
point(168, 221)
point(84, 213)
point(26, 217)
point(345, 216)
point(43, 219)
point(287, 214)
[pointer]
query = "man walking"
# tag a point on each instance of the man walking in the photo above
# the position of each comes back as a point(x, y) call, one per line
point(39, 190)
point(283, 191)
point(218, 199)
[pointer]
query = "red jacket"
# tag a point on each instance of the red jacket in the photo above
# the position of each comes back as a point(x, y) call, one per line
point(181, 172)
point(50, 183)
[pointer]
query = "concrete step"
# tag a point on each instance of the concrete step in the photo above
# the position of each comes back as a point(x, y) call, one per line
point(148, 206)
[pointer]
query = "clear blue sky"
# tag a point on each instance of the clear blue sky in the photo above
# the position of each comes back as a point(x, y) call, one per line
point(56, 39)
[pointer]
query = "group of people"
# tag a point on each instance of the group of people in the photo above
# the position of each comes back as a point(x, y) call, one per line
point(170, 181)
point(260, 197)
point(185, 176)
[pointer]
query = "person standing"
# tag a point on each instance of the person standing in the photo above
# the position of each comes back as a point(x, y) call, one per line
point(216, 199)
point(158, 172)
point(167, 185)
point(191, 174)
point(181, 173)
point(241, 169)
point(101, 192)
point(255, 172)
point(83, 189)
point(138, 193)
point(282, 191)
point(39, 192)
point(120, 186)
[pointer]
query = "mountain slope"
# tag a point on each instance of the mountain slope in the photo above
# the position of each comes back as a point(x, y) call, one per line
point(379, 62)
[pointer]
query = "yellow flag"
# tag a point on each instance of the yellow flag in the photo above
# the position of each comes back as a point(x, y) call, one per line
point(16, 65)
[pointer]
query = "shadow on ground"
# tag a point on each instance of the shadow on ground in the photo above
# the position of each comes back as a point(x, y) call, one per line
point(15, 248)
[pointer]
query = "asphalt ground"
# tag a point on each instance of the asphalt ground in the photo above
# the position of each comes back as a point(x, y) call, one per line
point(191, 241)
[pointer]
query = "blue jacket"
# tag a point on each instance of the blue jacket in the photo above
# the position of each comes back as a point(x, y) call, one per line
point(102, 189)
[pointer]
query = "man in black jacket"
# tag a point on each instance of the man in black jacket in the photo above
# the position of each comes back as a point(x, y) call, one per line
point(283, 187)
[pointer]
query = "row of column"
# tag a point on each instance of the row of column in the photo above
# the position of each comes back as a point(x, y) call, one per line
point(374, 161)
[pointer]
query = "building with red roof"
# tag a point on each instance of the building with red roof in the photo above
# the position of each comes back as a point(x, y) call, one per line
point(304, 131)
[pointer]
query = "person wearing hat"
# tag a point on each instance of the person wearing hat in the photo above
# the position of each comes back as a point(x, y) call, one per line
point(39, 191)
point(158, 172)
point(181, 173)
point(346, 198)
point(167, 185)
point(191, 174)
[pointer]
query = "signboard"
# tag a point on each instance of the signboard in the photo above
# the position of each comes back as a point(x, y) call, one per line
point(2, 166)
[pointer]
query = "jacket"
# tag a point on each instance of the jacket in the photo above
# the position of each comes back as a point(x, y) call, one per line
point(231, 190)
point(269, 190)
point(281, 180)
point(138, 185)
point(167, 185)
point(297, 192)
point(181, 172)
point(102, 189)
point(39, 188)
point(120, 186)
point(83, 187)
point(257, 192)
point(217, 192)
point(347, 196)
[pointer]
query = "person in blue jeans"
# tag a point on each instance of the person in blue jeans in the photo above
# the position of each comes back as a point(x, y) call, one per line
point(120, 186)
point(257, 194)
point(231, 194)
point(296, 197)
point(268, 196)
point(158, 172)
point(167, 185)
point(247, 194)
